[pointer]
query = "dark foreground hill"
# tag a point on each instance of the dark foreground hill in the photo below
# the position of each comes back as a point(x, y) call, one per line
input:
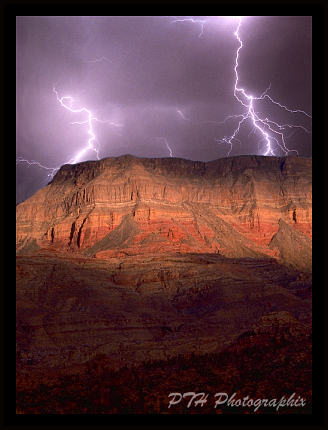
point(147, 307)
point(272, 361)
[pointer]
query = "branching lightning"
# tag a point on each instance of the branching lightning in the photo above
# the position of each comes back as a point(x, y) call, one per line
point(195, 21)
point(66, 102)
point(52, 170)
point(269, 130)
point(93, 138)
point(259, 123)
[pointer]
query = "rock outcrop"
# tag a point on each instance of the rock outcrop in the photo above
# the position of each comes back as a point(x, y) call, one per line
point(245, 206)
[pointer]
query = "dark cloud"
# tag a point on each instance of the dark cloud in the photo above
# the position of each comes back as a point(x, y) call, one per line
point(150, 68)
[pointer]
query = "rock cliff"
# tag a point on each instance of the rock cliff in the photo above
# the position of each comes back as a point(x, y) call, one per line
point(245, 206)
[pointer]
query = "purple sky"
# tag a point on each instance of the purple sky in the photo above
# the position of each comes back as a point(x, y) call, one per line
point(151, 73)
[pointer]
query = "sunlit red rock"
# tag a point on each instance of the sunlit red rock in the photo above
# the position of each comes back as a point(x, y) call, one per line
point(132, 205)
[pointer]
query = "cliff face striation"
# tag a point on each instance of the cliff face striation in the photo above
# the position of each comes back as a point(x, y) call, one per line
point(245, 206)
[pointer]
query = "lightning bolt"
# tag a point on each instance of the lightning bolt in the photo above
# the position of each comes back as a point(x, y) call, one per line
point(52, 170)
point(181, 114)
point(269, 130)
point(97, 61)
point(195, 21)
point(66, 102)
point(89, 120)
point(166, 143)
point(259, 123)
